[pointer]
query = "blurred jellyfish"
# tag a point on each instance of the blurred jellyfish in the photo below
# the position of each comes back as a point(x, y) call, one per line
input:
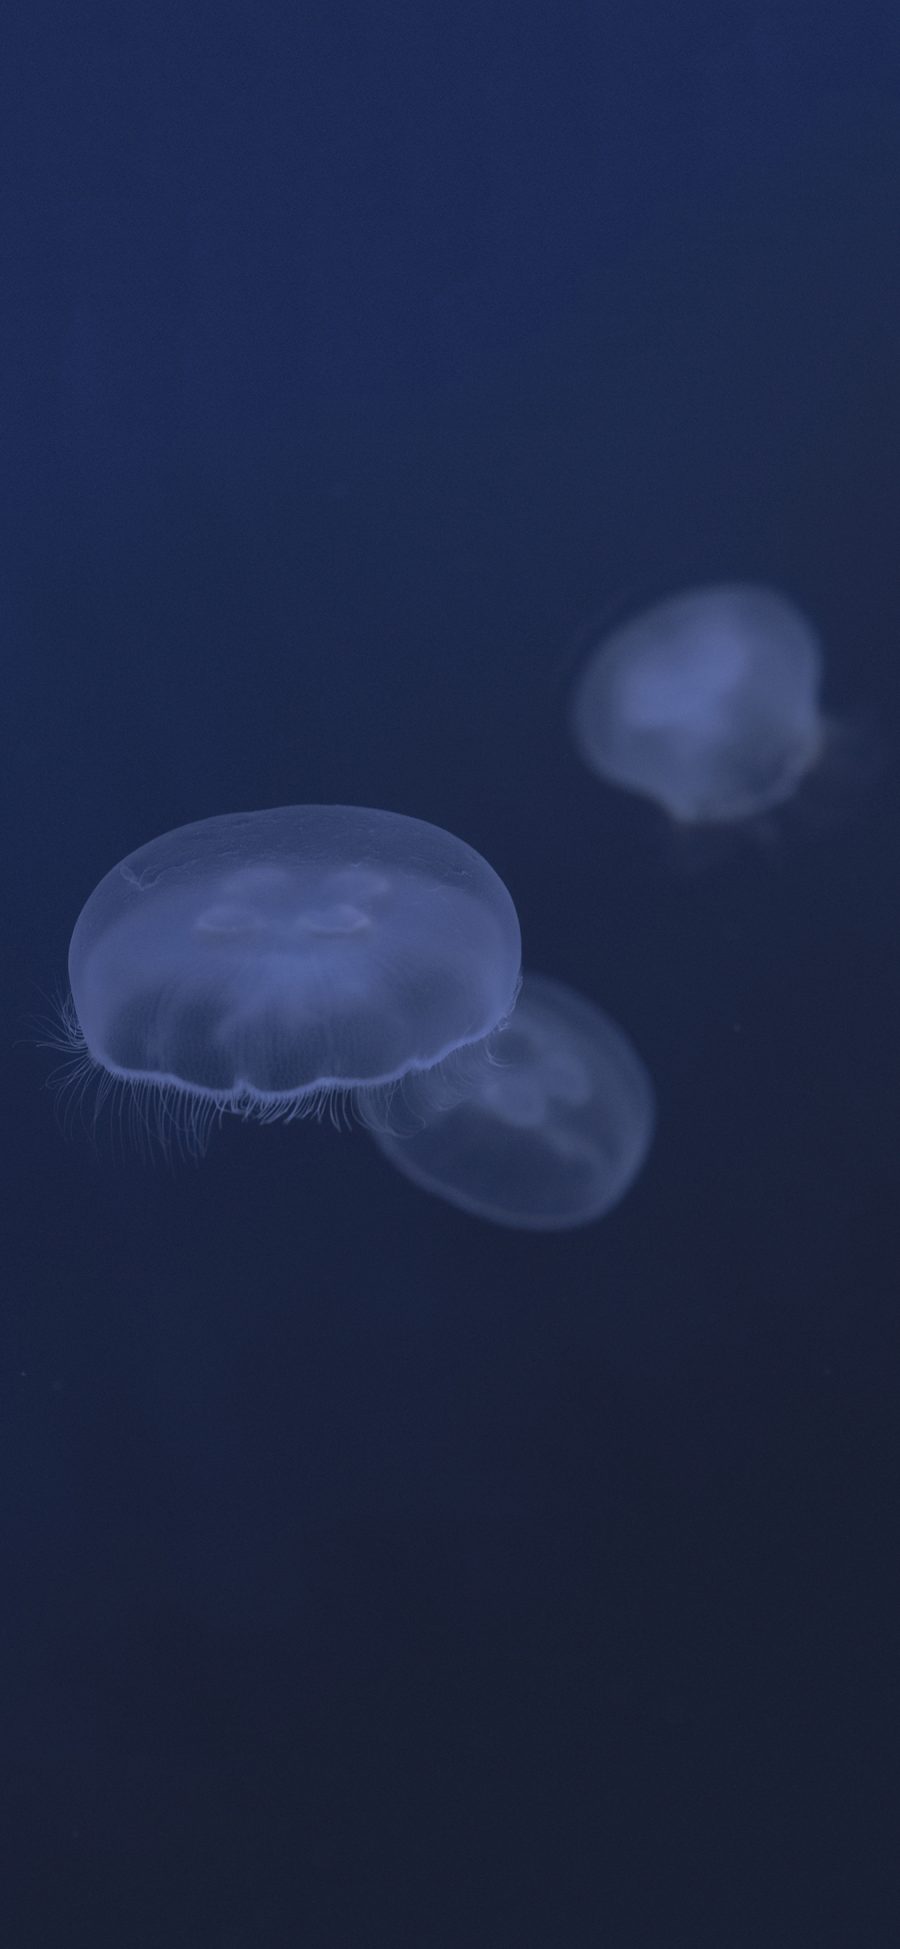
point(265, 963)
point(553, 1134)
point(707, 703)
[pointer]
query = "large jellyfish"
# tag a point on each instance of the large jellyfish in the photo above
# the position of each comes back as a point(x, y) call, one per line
point(260, 962)
point(552, 1134)
point(707, 703)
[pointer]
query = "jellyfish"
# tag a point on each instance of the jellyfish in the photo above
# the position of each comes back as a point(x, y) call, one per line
point(707, 703)
point(552, 1133)
point(267, 963)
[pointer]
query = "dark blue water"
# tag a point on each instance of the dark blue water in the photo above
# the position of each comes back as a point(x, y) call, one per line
point(372, 1575)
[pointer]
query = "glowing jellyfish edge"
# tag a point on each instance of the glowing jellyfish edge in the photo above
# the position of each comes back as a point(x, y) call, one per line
point(257, 962)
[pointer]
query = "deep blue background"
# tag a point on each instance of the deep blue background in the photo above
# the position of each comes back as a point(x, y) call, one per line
point(371, 1575)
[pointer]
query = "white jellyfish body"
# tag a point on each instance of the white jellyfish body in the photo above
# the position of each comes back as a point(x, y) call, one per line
point(256, 962)
point(552, 1134)
point(707, 703)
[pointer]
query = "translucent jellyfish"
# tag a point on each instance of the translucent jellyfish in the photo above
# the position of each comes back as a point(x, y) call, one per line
point(552, 1134)
point(261, 962)
point(708, 703)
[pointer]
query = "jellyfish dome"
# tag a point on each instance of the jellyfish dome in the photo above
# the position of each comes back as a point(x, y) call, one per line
point(552, 1134)
point(260, 961)
point(707, 703)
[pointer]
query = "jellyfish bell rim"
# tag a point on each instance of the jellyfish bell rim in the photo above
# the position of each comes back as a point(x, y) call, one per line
point(631, 1077)
point(597, 684)
point(305, 838)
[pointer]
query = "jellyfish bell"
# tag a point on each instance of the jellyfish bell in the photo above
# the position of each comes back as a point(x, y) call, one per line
point(707, 704)
point(270, 962)
point(551, 1134)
